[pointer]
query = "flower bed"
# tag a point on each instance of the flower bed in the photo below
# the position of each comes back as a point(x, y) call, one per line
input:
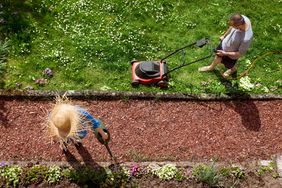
point(207, 175)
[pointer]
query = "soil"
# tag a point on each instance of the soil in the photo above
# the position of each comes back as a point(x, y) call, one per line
point(150, 130)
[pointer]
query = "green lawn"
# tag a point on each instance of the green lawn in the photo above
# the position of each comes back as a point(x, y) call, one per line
point(89, 44)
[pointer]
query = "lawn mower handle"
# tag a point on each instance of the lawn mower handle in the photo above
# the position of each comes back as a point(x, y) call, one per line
point(200, 43)
point(189, 63)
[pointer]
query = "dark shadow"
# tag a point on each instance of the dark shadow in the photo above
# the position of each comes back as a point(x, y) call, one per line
point(242, 103)
point(90, 173)
point(86, 156)
point(246, 108)
point(3, 117)
point(15, 16)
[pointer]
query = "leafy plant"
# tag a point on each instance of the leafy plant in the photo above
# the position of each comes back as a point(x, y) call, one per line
point(86, 175)
point(3, 57)
point(11, 174)
point(35, 174)
point(206, 174)
point(269, 168)
point(71, 174)
point(53, 175)
point(121, 174)
point(179, 176)
point(246, 84)
point(3, 50)
point(238, 172)
point(231, 176)
point(166, 172)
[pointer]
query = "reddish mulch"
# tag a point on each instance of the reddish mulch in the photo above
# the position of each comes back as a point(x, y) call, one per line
point(150, 130)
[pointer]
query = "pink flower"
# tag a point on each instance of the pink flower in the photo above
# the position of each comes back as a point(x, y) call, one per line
point(134, 170)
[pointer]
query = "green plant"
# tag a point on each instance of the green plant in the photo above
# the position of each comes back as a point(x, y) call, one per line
point(85, 175)
point(237, 172)
point(110, 178)
point(225, 172)
point(264, 169)
point(245, 83)
point(231, 176)
point(166, 172)
point(121, 174)
point(35, 174)
point(71, 174)
point(179, 176)
point(3, 57)
point(53, 175)
point(3, 51)
point(11, 174)
point(269, 168)
point(206, 174)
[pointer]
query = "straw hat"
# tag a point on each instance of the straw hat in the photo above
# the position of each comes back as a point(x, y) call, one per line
point(64, 122)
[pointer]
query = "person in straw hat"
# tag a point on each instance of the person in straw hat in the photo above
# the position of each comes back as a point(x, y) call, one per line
point(68, 123)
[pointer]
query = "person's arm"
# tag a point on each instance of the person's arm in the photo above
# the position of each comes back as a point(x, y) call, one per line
point(232, 55)
point(226, 33)
point(236, 55)
point(95, 123)
point(103, 134)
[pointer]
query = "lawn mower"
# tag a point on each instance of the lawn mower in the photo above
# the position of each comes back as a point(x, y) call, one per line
point(157, 72)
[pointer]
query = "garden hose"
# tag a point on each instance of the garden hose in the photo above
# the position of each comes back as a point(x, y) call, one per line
point(253, 63)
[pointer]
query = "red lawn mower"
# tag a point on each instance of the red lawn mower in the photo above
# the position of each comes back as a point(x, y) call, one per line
point(156, 72)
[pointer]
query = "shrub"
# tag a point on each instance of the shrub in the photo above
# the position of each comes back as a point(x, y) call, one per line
point(120, 173)
point(53, 174)
point(166, 172)
point(238, 173)
point(85, 175)
point(206, 174)
point(11, 174)
point(35, 174)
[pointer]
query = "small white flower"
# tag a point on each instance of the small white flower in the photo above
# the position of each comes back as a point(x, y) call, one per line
point(167, 172)
point(246, 84)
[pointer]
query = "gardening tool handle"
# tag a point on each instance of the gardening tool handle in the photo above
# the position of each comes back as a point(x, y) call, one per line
point(199, 43)
point(110, 152)
point(177, 51)
point(189, 63)
point(107, 146)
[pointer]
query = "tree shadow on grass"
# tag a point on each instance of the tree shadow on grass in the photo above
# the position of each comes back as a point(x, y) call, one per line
point(88, 174)
point(245, 108)
point(3, 117)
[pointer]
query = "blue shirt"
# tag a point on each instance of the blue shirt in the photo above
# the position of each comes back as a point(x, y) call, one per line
point(87, 119)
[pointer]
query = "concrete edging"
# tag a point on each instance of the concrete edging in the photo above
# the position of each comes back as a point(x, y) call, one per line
point(114, 95)
point(183, 164)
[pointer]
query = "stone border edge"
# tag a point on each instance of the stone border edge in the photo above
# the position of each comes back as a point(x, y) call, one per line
point(92, 94)
point(142, 164)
